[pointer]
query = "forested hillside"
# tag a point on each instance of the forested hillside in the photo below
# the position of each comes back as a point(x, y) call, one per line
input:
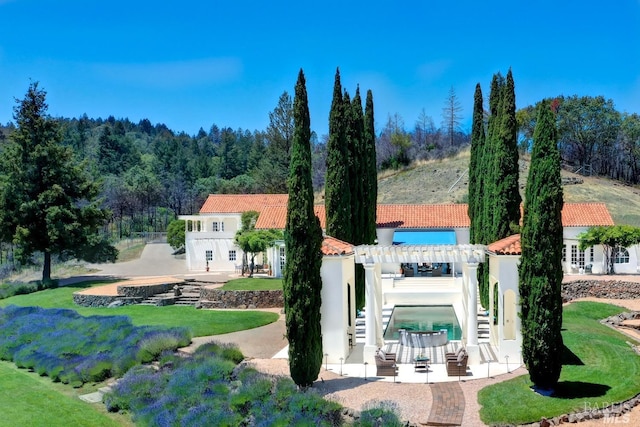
point(151, 173)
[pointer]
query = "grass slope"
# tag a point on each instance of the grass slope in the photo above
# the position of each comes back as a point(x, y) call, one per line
point(446, 181)
point(598, 366)
point(199, 322)
point(27, 399)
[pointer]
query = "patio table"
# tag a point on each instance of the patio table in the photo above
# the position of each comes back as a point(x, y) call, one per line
point(420, 362)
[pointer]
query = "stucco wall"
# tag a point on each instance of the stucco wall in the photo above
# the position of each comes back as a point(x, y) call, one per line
point(337, 272)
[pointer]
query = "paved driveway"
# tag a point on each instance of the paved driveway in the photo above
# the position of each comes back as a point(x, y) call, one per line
point(157, 259)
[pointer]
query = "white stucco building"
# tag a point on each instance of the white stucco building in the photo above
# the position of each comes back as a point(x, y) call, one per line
point(422, 257)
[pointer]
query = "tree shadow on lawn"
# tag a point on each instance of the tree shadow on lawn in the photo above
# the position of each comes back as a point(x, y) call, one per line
point(579, 389)
point(82, 282)
point(570, 358)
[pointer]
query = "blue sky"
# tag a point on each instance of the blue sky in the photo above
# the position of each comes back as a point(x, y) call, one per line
point(191, 64)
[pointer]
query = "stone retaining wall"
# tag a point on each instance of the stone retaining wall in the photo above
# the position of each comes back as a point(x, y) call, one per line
point(146, 290)
point(614, 289)
point(216, 298)
point(84, 300)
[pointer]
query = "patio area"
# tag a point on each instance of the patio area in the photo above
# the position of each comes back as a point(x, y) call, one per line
point(354, 366)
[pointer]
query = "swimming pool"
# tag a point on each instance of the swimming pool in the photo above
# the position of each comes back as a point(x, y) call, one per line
point(423, 318)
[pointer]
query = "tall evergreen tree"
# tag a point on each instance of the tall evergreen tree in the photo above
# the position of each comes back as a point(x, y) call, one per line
point(358, 171)
point(476, 174)
point(358, 179)
point(500, 192)
point(303, 240)
point(337, 186)
point(506, 208)
point(540, 271)
point(49, 200)
point(371, 172)
point(274, 167)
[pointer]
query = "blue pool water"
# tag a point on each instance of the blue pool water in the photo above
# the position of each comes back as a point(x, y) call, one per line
point(423, 318)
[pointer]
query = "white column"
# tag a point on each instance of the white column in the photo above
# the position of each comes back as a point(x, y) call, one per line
point(473, 350)
point(378, 302)
point(370, 332)
point(472, 316)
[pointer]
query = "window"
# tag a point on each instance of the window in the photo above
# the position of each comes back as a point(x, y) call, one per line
point(221, 226)
point(577, 257)
point(620, 255)
point(208, 255)
point(283, 258)
point(232, 255)
point(564, 254)
point(214, 226)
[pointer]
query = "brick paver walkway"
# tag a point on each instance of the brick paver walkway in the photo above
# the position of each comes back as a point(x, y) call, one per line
point(447, 408)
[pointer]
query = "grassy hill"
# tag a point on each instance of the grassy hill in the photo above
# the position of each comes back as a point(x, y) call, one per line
point(446, 181)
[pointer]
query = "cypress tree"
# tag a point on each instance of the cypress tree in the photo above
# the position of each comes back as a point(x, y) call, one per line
point(506, 208)
point(371, 171)
point(488, 160)
point(351, 142)
point(303, 240)
point(337, 186)
point(484, 230)
point(359, 180)
point(476, 174)
point(500, 193)
point(540, 271)
point(358, 177)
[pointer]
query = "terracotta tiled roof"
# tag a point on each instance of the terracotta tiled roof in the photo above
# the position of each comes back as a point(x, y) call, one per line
point(238, 203)
point(273, 212)
point(276, 217)
point(585, 215)
point(507, 246)
point(333, 246)
point(423, 216)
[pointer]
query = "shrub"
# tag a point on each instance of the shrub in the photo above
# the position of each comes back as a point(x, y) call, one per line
point(137, 389)
point(376, 413)
point(232, 353)
point(309, 406)
point(150, 347)
point(226, 351)
point(47, 341)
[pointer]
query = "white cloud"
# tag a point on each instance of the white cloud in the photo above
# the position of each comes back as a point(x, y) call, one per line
point(178, 74)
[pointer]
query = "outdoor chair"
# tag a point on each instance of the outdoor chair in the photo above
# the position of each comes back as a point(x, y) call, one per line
point(386, 364)
point(458, 366)
point(454, 355)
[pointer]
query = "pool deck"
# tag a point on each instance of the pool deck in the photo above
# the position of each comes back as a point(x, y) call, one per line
point(353, 366)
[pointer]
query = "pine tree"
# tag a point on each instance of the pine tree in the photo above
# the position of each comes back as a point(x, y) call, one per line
point(476, 174)
point(303, 240)
point(48, 199)
point(540, 268)
point(337, 186)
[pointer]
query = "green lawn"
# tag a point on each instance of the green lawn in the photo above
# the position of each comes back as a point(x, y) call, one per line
point(253, 284)
point(599, 368)
point(27, 399)
point(200, 322)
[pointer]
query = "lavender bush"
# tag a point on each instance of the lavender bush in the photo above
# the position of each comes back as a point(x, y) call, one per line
point(74, 349)
point(209, 389)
